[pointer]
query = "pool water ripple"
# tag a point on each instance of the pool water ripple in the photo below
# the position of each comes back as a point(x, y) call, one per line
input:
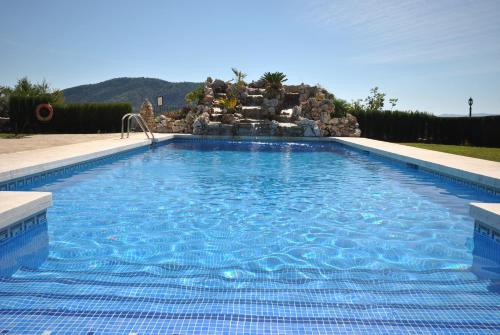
point(261, 238)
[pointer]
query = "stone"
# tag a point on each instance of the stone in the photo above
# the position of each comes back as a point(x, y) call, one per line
point(164, 124)
point(270, 102)
point(179, 126)
point(200, 124)
point(208, 99)
point(344, 126)
point(228, 118)
point(220, 129)
point(147, 113)
point(310, 127)
point(274, 127)
point(219, 86)
point(207, 90)
point(325, 116)
point(290, 130)
point(258, 84)
point(190, 117)
point(296, 112)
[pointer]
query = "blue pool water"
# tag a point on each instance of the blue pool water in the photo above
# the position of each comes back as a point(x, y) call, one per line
point(219, 237)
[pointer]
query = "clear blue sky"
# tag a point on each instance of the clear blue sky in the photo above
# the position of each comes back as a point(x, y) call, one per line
point(432, 55)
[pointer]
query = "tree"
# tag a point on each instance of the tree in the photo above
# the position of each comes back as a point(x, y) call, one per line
point(375, 101)
point(195, 97)
point(393, 102)
point(357, 106)
point(4, 100)
point(26, 88)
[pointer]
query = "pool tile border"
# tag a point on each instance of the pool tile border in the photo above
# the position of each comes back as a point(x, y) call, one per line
point(22, 226)
point(486, 219)
point(40, 177)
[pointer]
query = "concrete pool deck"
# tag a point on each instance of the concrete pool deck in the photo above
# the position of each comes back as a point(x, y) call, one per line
point(37, 141)
point(21, 163)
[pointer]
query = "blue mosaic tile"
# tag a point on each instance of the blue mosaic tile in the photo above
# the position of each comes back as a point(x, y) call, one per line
point(24, 243)
point(73, 292)
point(4, 234)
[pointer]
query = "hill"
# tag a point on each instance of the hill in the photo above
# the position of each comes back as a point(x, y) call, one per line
point(465, 115)
point(132, 90)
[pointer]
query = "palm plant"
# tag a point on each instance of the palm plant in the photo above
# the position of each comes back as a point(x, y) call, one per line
point(239, 76)
point(274, 82)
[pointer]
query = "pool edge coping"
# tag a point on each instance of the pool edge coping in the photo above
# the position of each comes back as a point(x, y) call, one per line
point(21, 205)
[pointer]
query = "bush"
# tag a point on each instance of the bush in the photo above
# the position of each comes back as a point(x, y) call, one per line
point(68, 118)
point(196, 96)
point(342, 107)
point(398, 126)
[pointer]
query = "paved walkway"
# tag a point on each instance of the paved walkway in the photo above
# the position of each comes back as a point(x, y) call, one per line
point(31, 142)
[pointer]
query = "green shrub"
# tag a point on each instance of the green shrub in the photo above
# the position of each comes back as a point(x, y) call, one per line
point(342, 107)
point(196, 96)
point(68, 118)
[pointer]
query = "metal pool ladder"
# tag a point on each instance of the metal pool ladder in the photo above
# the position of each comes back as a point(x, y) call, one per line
point(140, 121)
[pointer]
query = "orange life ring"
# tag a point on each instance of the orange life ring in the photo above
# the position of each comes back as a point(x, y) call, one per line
point(47, 107)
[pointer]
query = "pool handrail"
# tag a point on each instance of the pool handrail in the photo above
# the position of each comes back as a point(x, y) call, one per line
point(140, 121)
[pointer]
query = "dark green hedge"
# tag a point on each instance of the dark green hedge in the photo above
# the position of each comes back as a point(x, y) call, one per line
point(397, 126)
point(68, 118)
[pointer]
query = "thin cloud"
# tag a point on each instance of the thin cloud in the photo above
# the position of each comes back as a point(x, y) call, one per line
point(413, 31)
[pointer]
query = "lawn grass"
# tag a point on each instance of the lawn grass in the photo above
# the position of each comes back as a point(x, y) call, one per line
point(11, 135)
point(492, 154)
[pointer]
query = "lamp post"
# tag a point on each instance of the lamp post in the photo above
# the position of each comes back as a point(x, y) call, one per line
point(470, 106)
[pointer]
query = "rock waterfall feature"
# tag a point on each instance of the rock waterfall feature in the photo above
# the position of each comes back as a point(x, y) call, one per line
point(240, 109)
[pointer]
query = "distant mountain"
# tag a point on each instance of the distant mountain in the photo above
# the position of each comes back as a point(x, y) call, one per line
point(132, 90)
point(465, 115)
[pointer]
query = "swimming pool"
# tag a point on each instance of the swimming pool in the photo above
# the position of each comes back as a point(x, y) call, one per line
point(245, 237)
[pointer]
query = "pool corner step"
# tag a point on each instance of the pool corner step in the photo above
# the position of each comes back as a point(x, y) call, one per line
point(18, 206)
point(487, 218)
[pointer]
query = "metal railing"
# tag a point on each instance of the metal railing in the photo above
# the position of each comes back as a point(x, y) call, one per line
point(140, 121)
